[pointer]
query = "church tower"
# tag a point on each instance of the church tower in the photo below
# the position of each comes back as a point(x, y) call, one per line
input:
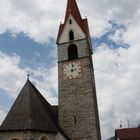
point(78, 111)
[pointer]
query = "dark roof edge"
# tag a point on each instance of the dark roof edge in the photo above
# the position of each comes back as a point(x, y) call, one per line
point(25, 130)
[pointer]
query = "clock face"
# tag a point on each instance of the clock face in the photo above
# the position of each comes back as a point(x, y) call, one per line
point(72, 70)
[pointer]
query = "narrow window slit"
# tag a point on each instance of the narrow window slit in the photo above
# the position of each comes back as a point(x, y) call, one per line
point(75, 120)
point(71, 35)
point(70, 21)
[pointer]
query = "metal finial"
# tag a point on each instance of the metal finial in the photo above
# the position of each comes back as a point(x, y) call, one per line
point(120, 124)
point(128, 123)
point(28, 75)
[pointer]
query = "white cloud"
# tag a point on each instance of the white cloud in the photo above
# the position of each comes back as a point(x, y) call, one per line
point(47, 82)
point(35, 18)
point(117, 75)
point(2, 114)
point(100, 12)
point(116, 71)
point(39, 19)
point(131, 36)
point(117, 37)
point(12, 77)
point(117, 81)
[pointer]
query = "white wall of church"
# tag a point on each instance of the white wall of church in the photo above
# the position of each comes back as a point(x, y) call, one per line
point(78, 33)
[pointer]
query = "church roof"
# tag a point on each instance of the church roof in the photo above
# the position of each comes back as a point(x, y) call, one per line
point(73, 9)
point(127, 134)
point(31, 112)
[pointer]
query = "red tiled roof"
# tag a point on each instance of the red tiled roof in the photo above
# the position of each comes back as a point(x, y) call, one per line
point(128, 134)
point(61, 27)
point(73, 9)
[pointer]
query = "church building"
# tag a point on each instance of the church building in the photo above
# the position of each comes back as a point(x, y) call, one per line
point(76, 117)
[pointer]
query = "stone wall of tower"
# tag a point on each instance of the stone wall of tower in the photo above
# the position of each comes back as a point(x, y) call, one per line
point(78, 112)
point(82, 46)
point(77, 105)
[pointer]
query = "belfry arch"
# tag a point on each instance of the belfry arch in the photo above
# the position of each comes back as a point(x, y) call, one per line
point(72, 52)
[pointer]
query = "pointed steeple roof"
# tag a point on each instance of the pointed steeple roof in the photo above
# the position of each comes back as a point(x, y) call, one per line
point(72, 9)
point(31, 112)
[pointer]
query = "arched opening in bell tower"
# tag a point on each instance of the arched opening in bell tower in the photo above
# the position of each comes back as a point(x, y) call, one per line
point(72, 52)
point(71, 35)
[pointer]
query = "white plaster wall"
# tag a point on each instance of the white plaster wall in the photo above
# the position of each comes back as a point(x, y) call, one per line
point(78, 33)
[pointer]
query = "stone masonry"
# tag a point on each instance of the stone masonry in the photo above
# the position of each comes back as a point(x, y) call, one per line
point(78, 112)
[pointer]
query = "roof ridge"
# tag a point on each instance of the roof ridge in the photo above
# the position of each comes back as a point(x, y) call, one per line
point(41, 98)
point(51, 114)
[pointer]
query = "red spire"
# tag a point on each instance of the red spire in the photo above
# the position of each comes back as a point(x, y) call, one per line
point(73, 9)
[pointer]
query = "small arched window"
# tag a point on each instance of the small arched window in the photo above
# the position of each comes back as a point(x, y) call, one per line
point(43, 137)
point(70, 21)
point(75, 120)
point(15, 139)
point(71, 35)
point(72, 52)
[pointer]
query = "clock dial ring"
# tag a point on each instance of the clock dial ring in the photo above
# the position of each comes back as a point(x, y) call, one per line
point(72, 70)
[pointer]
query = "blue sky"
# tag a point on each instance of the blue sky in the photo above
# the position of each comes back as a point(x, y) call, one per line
point(28, 31)
point(32, 55)
point(29, 51)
